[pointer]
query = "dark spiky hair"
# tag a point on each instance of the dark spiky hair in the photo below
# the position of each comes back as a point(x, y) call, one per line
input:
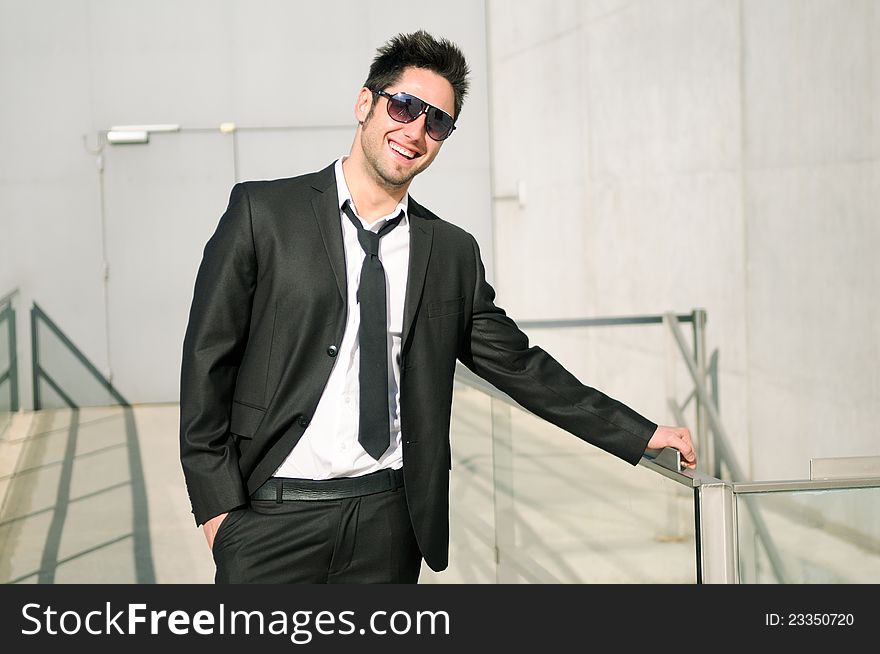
point(420, 50)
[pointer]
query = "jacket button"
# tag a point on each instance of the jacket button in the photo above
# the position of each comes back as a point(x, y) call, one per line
point(304, 421)
point(332, 350)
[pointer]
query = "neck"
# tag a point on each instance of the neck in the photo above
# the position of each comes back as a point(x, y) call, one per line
point(371, 196)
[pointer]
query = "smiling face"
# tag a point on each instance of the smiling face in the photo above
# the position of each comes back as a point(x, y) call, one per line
point(393, 153)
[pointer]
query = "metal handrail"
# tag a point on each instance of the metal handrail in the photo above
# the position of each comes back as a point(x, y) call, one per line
point(8, 297)
point(794, 485)
point(39, 316)
point(602, 322)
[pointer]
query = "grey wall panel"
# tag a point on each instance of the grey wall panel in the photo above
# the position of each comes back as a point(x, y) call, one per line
point(808, 91)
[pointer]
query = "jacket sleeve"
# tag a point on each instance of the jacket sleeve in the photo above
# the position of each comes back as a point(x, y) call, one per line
point(498, 351)
point(213, 346)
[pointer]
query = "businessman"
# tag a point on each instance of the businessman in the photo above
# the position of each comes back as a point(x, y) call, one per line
point(328, 314)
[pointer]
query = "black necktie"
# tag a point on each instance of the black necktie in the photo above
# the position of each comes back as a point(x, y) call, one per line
point(374, 434)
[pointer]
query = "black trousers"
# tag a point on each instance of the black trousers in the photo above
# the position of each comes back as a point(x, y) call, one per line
point(361, 540)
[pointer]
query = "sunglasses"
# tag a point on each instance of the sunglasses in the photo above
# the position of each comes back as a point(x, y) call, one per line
point(405, 108)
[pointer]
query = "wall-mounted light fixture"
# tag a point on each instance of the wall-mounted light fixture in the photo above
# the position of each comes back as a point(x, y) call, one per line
point(126, 134)
point(119, 137)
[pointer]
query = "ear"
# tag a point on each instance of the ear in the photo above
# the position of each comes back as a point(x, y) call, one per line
point(362, 104)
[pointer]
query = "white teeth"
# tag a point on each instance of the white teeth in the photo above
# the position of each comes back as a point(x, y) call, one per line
point(409, 154)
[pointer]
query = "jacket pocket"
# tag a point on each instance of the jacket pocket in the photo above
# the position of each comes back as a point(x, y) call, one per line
point(245, 419)
point(446, 308)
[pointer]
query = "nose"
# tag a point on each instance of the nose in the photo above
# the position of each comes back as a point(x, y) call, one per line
point(416, 130)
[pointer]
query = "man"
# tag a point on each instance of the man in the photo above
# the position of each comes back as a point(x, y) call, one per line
point(328, 314)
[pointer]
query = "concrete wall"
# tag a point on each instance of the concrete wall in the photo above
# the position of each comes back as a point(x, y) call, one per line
point(69, 70)
point(700, 153)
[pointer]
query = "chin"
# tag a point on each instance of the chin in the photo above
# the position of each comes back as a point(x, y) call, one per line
point(393, 178)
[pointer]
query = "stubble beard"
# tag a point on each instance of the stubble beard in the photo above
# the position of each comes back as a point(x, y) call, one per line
point(382, 171)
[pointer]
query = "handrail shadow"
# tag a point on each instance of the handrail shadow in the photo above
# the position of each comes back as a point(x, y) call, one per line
point(56, 359)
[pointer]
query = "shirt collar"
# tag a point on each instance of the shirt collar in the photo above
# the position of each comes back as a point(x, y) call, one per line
point(344, 196)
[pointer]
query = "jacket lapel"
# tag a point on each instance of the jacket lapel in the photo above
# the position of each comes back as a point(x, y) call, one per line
point(326, 207)
point(421, 238)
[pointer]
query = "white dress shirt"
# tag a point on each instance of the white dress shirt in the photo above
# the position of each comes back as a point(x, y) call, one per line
point(329, 447)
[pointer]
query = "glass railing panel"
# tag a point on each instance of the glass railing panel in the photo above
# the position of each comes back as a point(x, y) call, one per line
point(822, 536)
point(530, 503)
point(471, 493)
point(576, 514)
point(65, 377)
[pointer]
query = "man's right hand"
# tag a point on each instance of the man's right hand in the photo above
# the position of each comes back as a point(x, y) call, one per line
point(678, 438)
point(211, 526)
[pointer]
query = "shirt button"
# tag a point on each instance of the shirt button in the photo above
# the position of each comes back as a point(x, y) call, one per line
point(304, 421)
point(332, 350)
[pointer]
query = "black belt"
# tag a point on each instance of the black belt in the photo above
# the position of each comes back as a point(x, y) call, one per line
point(281, 489)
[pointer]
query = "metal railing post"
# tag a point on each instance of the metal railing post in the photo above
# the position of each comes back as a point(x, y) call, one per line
point(716, 402)
point(13, 363)
point(7, 313)
point(703, 442)
point(35, 359)
point(715, 515)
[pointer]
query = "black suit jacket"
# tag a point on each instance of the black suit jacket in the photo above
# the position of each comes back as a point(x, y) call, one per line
point(270, 300)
